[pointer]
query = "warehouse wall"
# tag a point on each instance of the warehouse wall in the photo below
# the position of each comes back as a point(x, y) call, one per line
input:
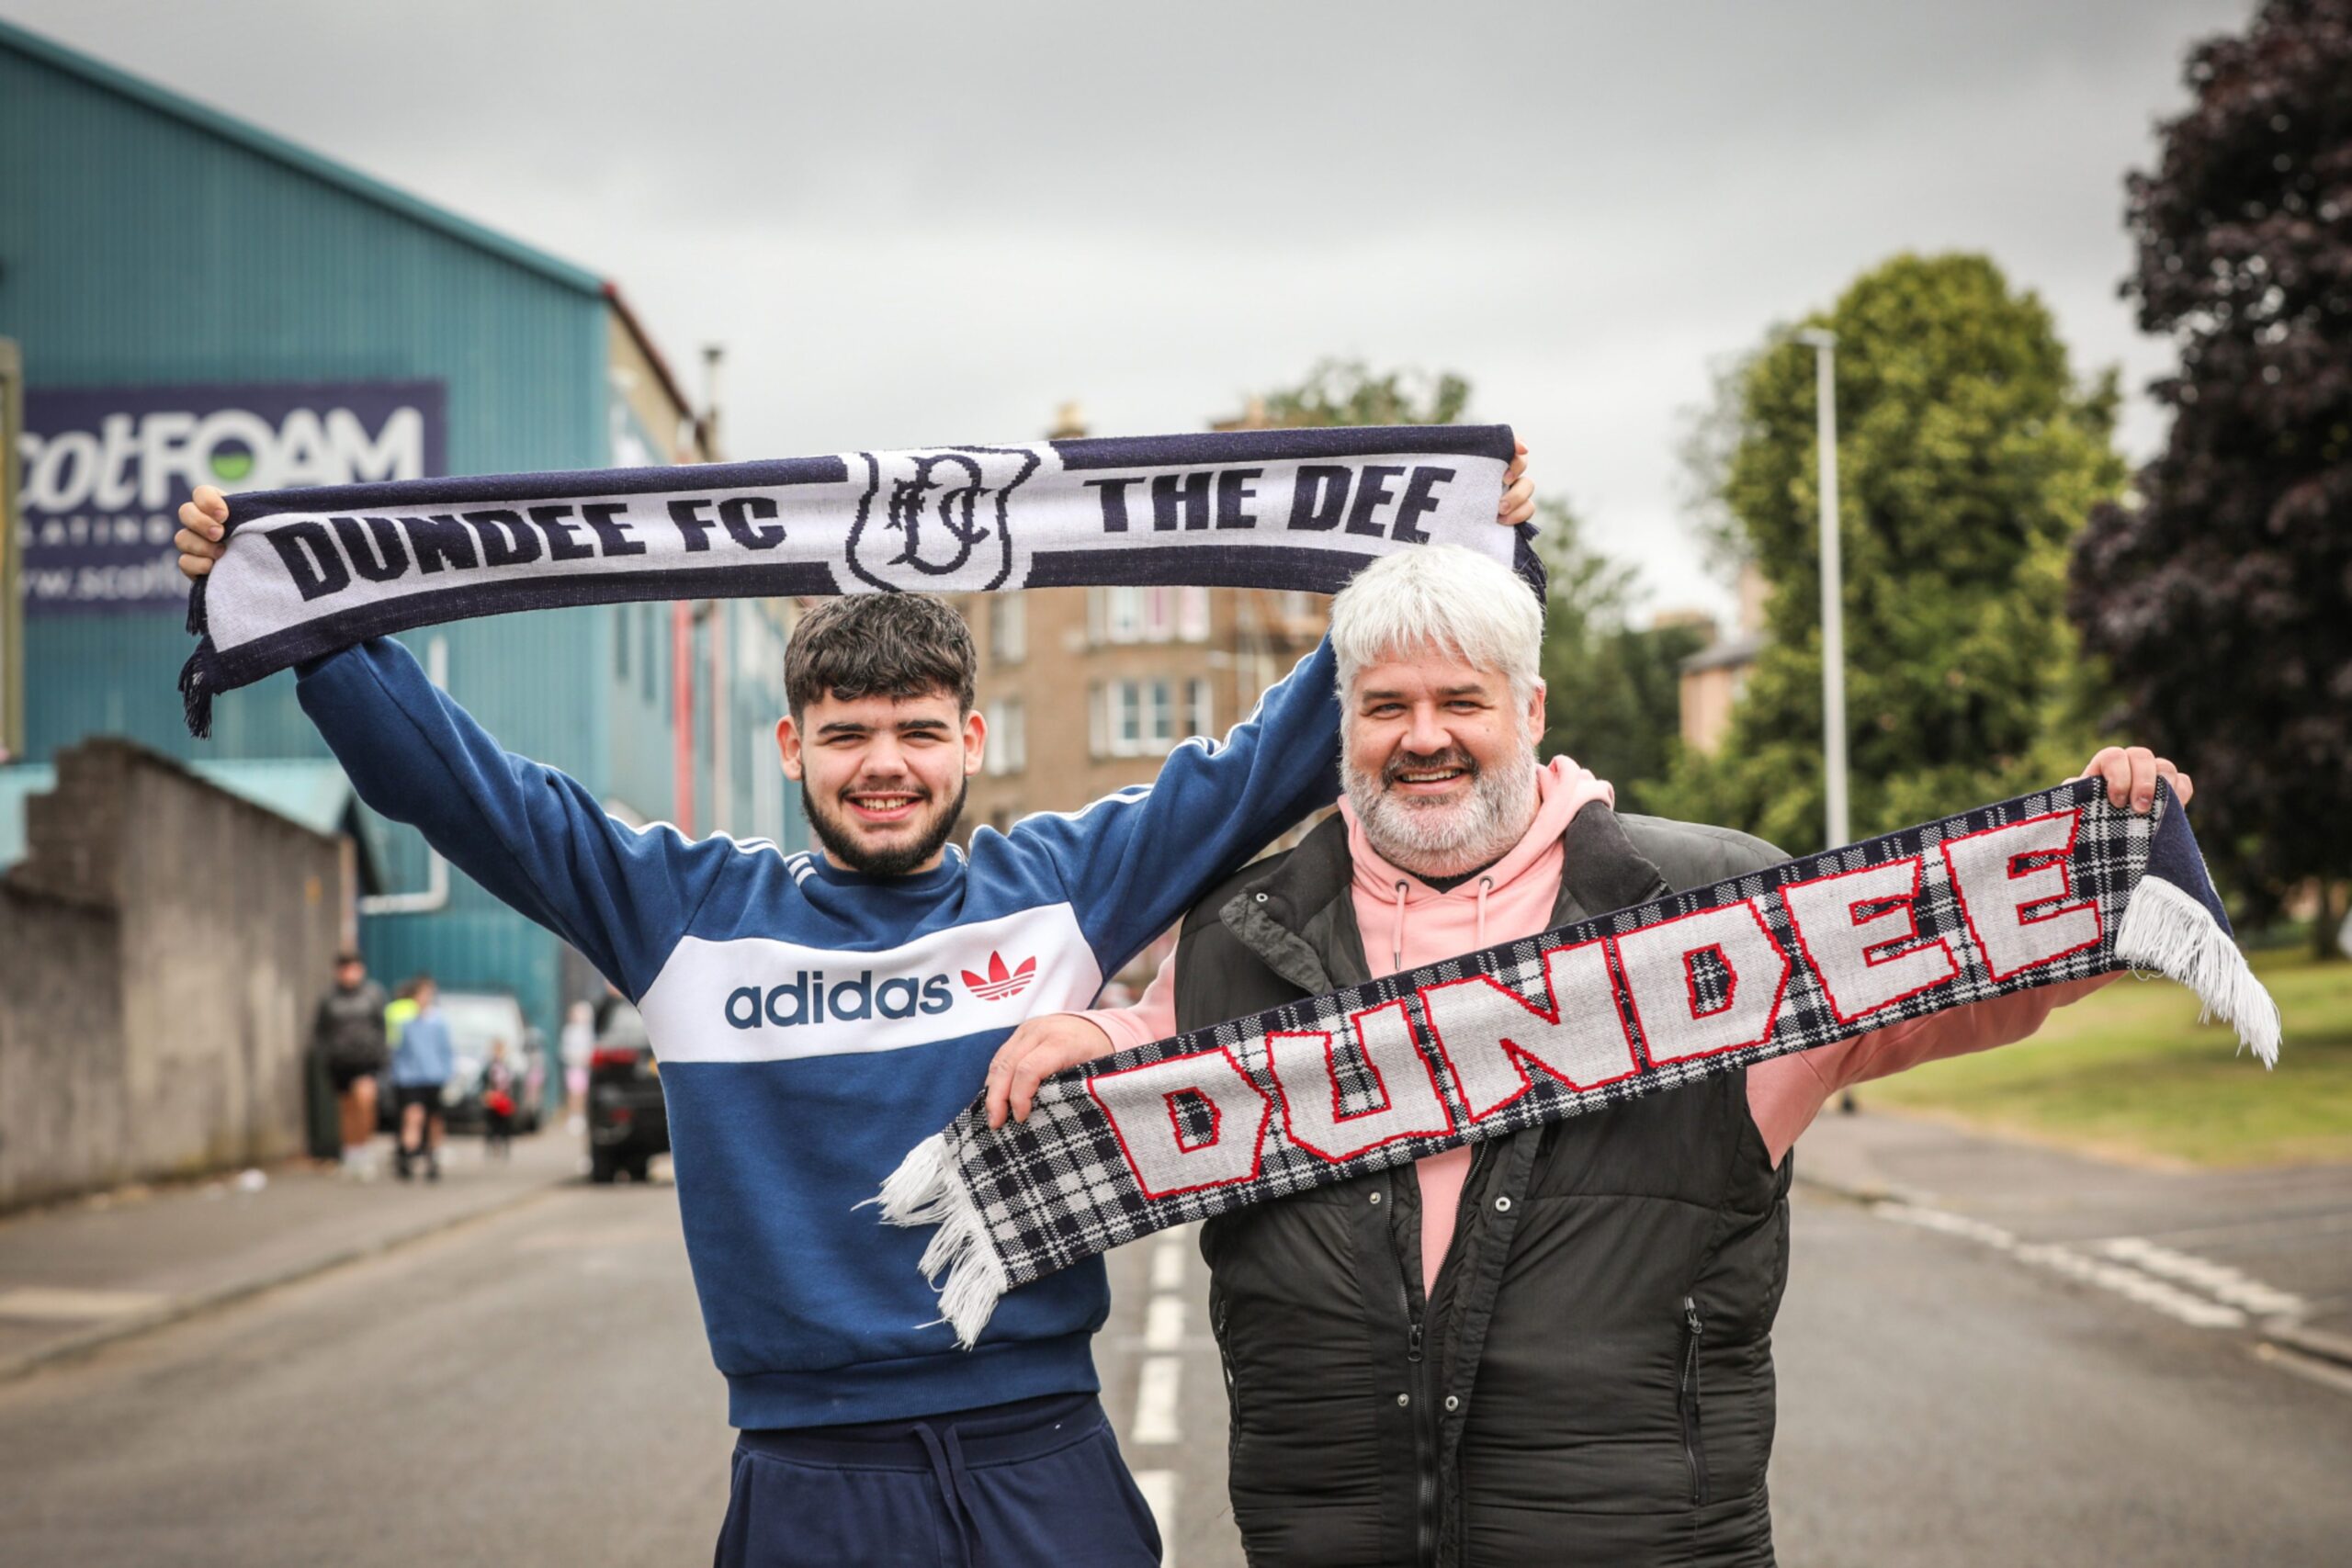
point(139, 248)
point(178, 939)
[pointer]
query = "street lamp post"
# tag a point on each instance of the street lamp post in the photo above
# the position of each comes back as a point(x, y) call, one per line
point(1824, 344)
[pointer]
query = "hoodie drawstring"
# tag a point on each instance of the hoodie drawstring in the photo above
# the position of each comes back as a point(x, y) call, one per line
point(1396, 927)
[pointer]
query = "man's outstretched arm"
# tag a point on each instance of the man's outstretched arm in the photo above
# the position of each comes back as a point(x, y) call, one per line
point(537, 838)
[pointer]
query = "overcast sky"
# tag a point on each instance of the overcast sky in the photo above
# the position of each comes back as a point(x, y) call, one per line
point(913, 224)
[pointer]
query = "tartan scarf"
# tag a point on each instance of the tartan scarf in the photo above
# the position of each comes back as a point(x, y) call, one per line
point(308, 572)
point(2044, 888)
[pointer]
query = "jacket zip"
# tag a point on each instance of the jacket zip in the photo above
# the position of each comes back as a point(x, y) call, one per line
point(1424, 1458)
point(1693, 1446)
point(1219, 1310)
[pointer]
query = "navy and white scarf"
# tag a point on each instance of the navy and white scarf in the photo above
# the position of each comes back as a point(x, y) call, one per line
point(2033, 891)
point(310, 571)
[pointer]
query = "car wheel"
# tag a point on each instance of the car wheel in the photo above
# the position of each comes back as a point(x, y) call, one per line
point(602, 1167)
point(639, 1169)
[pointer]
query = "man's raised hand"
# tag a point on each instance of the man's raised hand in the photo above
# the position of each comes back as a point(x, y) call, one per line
point(2132, 772)
point(201, 527)
point(1038, 1049)
point(1519, 491)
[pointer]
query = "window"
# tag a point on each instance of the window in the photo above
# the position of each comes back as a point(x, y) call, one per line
point(1134, 718)
point(1122, 614)
point(1192, 614)
point(1008, 742)
point(1007, 628)
point(1200, 717)
point(1159, 614)
point(1158, 716)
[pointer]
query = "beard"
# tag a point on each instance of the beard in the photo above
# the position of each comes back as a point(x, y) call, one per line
point(1444, 838)
point(840, 841)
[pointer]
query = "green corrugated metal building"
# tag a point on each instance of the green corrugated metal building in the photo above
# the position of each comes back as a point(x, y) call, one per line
point(161, 263)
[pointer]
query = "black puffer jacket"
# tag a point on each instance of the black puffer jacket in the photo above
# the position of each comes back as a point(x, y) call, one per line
point(1593, 1381)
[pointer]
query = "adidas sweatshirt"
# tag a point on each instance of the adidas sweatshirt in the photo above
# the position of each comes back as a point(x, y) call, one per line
point(814, 1024)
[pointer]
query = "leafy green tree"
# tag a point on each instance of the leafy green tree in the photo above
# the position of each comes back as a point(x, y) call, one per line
point(1345, 391)
point(2222, 597)
point(1612, 691)
point(1968, 456)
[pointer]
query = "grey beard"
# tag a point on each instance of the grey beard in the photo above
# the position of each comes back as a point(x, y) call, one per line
point(1446, 840)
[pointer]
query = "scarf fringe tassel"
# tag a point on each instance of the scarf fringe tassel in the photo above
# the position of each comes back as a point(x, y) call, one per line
point(924, 1191)
point(195, 690)
point(2170, 932)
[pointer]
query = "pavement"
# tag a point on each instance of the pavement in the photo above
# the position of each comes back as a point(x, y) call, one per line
point(2265, 1253)
point(77, 1275)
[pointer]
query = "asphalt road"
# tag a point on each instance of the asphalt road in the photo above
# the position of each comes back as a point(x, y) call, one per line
point(534, 1388)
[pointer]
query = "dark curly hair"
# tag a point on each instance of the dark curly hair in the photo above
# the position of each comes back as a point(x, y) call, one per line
point(879, 645)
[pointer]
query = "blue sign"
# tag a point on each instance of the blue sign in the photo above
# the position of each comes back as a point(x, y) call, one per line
point(105, 469)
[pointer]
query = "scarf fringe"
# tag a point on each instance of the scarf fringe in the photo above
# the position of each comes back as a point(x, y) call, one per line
point(196, 691)
point(2168, 931)
point(196, 694)
point(925, 1190)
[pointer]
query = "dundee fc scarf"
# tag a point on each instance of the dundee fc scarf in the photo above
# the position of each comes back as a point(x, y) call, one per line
point(310, 572)
point(2048, 888)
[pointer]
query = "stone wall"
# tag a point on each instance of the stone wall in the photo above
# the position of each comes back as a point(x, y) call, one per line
point(161, 947)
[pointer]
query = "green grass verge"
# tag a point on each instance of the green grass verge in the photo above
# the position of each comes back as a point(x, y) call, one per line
point(2130, 1072)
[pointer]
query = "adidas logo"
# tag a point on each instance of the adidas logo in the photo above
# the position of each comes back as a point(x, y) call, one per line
point(1000, 982)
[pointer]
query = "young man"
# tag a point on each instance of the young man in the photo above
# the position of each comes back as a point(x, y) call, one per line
point(349, 1035)
point(1555, 1346)
point(818, 1015)
point(422, 1064)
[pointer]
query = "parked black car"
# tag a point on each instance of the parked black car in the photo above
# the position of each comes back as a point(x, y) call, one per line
point(629, 1121)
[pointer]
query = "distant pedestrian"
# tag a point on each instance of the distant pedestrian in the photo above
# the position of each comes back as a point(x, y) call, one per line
point(349, 1035)
point(498, 1080)
point(421, 1067)
point(577, 1042)
point(397, 1013)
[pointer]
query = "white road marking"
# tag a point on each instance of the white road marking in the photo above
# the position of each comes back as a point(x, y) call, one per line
point(2326, 1373)
point(54, 1304)
point(2130, 1283)
point(1155, 1401)
point(1158, 1489)
point(1168, 1263)
point(1948, 1223)
point(1163, 1324)
point(2219, 1280)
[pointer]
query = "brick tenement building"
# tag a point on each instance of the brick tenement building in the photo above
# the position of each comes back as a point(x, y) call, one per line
point(1085, 690)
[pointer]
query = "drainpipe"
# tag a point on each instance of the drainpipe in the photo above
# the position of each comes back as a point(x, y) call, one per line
point(682, 721)
point(436, 876)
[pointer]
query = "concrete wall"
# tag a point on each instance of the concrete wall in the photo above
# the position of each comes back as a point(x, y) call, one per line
point(161, 946)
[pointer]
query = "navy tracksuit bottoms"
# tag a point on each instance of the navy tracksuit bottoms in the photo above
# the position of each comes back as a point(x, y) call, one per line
point(1037, 1481)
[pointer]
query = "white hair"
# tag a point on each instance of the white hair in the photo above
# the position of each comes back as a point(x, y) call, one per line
point(1441, 599)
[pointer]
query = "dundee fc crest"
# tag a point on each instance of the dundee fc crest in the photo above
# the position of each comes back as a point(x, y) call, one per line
point(938, 520)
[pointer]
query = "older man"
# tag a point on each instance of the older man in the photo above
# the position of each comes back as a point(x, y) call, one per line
point(1598, 1389)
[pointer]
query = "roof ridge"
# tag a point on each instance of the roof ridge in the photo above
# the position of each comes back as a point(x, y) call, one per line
point(317, 166)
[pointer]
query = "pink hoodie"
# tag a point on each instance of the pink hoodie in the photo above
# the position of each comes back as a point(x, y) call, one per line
point(1405, 923)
